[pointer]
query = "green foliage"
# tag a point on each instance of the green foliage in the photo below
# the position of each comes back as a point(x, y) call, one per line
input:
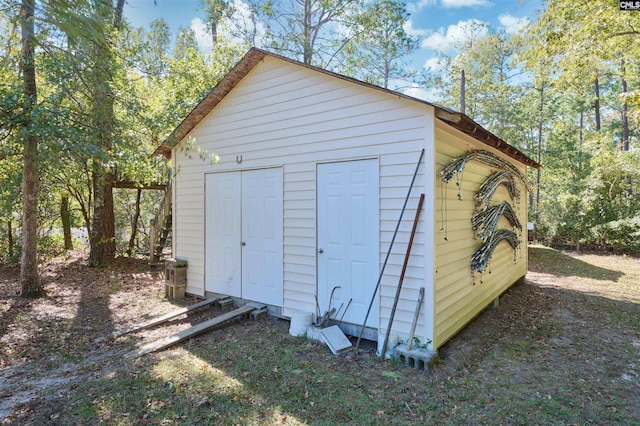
point(378, 43)
point(52, 244)
point(417, 343)
point(623, 234)
point(571, 42)
point(153, 80)
point(495, 95)
point(590, 178)
point(306, 30)
point(126, 199)
point(542, 84)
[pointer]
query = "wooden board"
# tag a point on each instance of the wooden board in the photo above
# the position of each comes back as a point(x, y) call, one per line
point(166, 317)
point(190, 332)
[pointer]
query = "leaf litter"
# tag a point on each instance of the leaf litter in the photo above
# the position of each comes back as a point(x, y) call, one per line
point(562, 348)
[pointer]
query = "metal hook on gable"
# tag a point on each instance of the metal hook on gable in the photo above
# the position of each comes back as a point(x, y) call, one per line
point(239, 159)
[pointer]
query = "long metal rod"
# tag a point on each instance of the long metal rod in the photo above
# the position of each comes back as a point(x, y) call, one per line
point(404, 270)
point(384, 265)
point(345, 310)
point(415, 319)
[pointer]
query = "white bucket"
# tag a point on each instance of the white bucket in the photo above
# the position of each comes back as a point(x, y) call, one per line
point(300, 323)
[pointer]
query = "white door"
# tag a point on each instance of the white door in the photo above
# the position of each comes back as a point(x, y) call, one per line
point(348, 233)
point(262, 236)
point(223, 233)
point(243, 237)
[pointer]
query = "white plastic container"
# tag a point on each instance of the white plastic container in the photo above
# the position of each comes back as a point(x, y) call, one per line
point(300, 323)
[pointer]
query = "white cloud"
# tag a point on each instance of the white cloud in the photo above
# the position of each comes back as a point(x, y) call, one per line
point(436, 41)
point(455, 35)
point(434, 65)
point(242, 25)
point(4, 23)
point(203, 36)
point(236, 29)
point(421, 93)
point(512, 24)
point(408, 27)
point(419, 5)
point(447, 4)
point(456, 4)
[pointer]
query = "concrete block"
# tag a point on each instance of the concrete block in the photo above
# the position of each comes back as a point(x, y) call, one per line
point(495, 304)
point(174, 291)
point(418, 358)
point(175, 271)
point(259, 314)
point(260, 311)
point(226, 302)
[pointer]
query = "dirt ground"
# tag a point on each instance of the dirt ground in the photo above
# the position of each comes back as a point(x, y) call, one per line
point(63, 339)
point(60, 339)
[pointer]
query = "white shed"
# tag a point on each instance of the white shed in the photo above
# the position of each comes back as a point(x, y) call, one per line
point(313, 171)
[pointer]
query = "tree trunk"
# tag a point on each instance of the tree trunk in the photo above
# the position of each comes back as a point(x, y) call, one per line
point(625, 130)
point(307, 48)
point(96, 255)
point(596, 104)
point(214, 33)
point(134, 224)
point(625, 115)
point(109, 224)
point(29, 279)
point(65, 215)
point(539, 157)
point(463, 82)
point(102, 240)
point(117, 17)
point(10, 238)
point(580, 142)
point(387, 73)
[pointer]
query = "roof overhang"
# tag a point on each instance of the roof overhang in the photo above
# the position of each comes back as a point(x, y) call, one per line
point(466, 125)
point(213, 98)
point(254, 56)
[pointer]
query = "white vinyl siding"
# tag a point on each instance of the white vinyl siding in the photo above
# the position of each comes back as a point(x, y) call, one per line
point(289, 116)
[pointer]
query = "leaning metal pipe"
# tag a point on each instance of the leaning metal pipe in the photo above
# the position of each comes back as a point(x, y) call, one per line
point(404, 270)
point(384, 265)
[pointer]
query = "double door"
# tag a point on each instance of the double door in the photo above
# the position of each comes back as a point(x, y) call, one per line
point(243, 235)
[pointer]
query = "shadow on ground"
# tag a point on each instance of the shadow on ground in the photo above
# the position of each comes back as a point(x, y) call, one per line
point(550, 261)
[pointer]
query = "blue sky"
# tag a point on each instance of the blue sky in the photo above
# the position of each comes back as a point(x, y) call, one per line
point(437, 22)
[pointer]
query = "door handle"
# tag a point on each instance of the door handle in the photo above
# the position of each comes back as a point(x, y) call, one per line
point(320, 250)
point(242, 243)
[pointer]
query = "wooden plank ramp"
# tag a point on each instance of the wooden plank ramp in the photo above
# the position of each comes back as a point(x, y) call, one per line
point(190, 332)
point(166, 317)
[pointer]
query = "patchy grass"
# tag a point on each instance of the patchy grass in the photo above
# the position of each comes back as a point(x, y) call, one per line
point(563, 348)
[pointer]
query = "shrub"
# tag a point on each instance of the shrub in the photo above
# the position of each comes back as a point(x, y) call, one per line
point(623, 234)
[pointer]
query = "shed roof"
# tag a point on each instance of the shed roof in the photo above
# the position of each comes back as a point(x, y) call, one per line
point(254, 56)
